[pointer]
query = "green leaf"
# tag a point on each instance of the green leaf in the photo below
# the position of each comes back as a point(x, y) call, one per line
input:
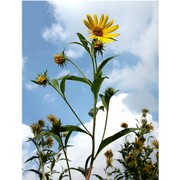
point(72, 127)
point(31, 158)
point(82, 170)
point(86, 164)
point(63, 83)
point(96, 85)
point(55, 83)
point(103, 101)
point(84, 42)
point(40, 135)
point(80, 79)
point(35, 171)
point(99, 177)
point(104, 63)
point(114, 137)
point(91, 112)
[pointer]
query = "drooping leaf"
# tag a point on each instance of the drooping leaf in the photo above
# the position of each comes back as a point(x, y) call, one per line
point(96, 85)
point(91, 112)
point(80, 79)
point(72, 127)
point(114, 137)
point(100, 67)
point(35, 171)
point(82, 170)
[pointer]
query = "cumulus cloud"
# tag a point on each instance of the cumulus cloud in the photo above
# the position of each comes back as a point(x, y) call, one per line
point(30, 86)
point(138, 26)
point(49, 97)
point(119, 113)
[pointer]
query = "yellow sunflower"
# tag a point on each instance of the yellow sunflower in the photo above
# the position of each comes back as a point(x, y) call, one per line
point(101, 29)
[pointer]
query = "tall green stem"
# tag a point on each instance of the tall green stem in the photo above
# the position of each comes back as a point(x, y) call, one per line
point(71, 109)
point(65, 154)
point(105, 124)
point(77, 68)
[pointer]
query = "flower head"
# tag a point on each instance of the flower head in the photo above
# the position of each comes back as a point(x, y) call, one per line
point(60, 58)
point(101, 29)
point(53, 119)
point(41, 122)
point(155, 143)
point(108, 154)
point(49, 141)
point(35, 128)
point(109, 157)
point(98, 46)
point(124, 125)
point(139, 143)
point(41, 79)
point(149, 127)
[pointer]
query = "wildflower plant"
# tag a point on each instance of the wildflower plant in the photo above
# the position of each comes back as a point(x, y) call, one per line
point(139, 157)
point(100, 31)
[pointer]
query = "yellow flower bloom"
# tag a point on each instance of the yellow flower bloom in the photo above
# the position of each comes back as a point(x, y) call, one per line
point(101, 29)
point(155, 143)
point(109, 154)
point(53, 119)
point(149, 127)
point(35, 128)
point(61, 58)
point(139, 143)
point(41, 79)
point(124, 125)
point(49, 141)
point(109, 162)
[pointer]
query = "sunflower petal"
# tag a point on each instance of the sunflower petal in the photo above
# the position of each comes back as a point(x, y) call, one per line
point(90, 20)
point(101, 20)
point(95, 20)
point(111, 29)
point(109, 24)
point(89, 26)
point(110, 35)
point(104, 22)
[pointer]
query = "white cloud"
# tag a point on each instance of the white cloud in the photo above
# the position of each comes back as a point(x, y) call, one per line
point(138, 26)
point(31, 86)
point(62, 73)
point(49, 97)
point(81, 149)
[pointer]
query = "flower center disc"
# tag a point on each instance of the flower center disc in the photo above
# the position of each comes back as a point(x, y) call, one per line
point(97, 31)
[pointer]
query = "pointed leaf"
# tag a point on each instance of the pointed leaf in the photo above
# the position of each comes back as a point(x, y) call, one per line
point(86, 164)
point(99, 177)
point(80, 79)
point(35, 171)
point(62, 85)
point(96, 85)
point(104, 63)
point(55, 83)
point(114, 137)
point(84, 42)
point(72, 127)
point(31, 158)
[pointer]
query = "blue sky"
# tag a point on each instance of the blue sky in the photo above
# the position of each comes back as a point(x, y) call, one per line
point(40, 45)
point(48, 27)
